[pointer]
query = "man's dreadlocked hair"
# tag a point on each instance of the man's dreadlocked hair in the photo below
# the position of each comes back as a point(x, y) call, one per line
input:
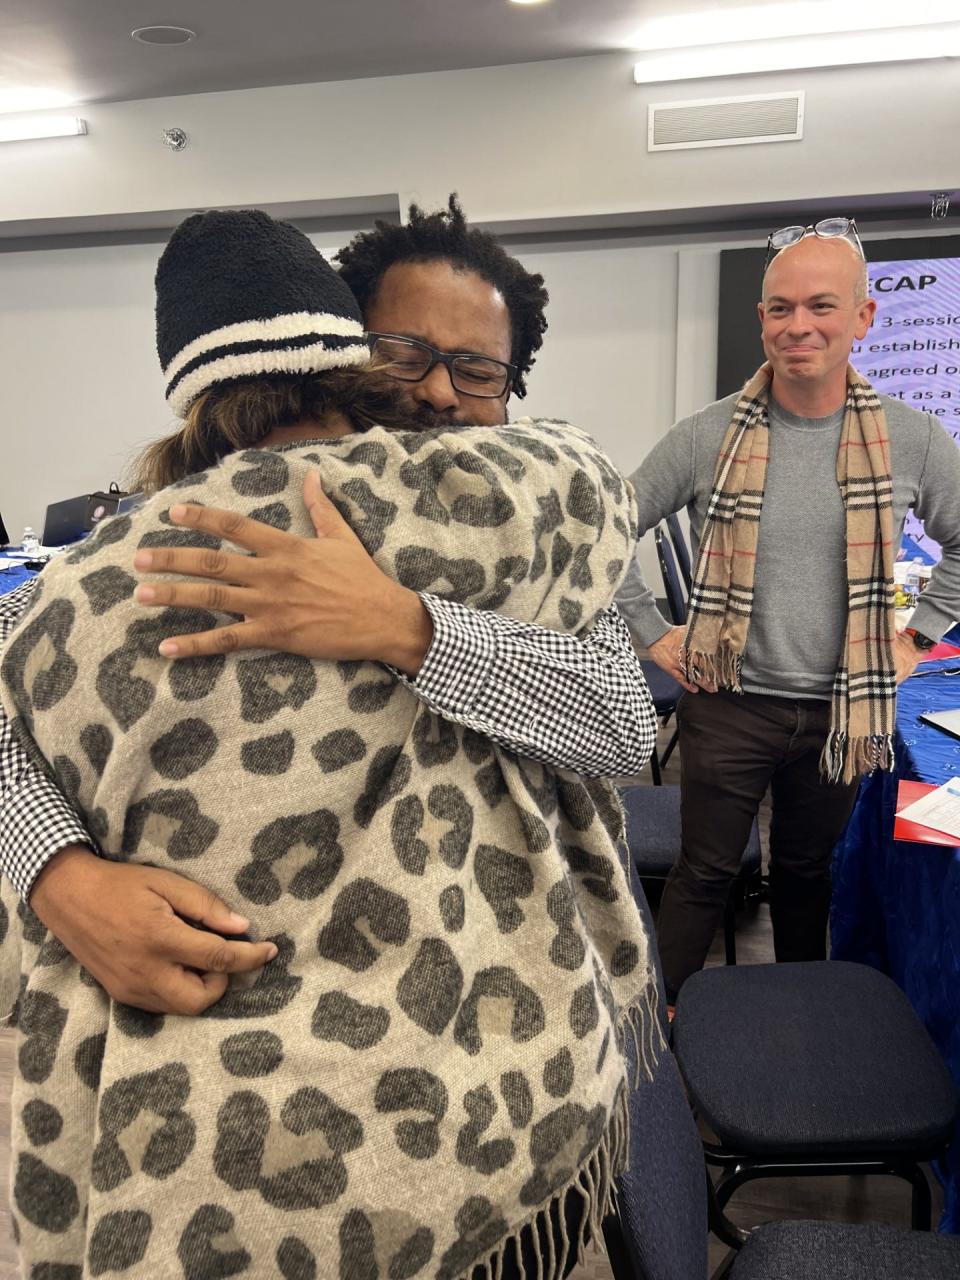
point(444, 236)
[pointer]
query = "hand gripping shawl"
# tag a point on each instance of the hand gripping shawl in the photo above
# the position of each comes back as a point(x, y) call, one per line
point(863, 703)
point(437, 1052)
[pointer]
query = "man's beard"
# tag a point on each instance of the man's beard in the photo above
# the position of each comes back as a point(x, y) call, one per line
point(427, 419)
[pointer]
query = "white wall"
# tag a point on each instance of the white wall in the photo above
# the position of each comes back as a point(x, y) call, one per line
point(632, 337)
point(81, 385)
point(521, 143)
point(608, 359)
point(630, 348)
point(82, 393)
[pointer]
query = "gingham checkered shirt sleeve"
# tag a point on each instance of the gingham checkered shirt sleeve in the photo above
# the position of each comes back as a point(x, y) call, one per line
point(36, 819)
point(575, 704)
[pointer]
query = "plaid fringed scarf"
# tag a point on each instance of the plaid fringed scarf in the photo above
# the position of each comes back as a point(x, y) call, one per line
point(721, 599)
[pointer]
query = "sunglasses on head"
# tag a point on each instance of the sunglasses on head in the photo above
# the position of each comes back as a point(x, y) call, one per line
point(825, 229)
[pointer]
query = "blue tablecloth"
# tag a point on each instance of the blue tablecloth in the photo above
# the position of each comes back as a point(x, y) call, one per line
point(12, 577)
point(896, 904)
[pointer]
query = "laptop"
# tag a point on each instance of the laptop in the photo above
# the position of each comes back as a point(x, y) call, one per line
point(130, 502)
point(945, 721)
point(69, 520)
point(65, 521)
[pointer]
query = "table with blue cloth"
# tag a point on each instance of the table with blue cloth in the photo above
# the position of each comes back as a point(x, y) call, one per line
point(14, 575)
point(896, 904)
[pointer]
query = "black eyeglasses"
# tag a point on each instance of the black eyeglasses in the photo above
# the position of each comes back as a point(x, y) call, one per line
point(826, 229)
point(471, 374)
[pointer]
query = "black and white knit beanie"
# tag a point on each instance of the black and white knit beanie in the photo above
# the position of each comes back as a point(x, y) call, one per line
point(240, 295)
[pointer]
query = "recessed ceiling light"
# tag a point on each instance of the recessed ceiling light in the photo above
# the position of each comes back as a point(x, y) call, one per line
point(528, 1)
point(30, 99)
point(163, 35)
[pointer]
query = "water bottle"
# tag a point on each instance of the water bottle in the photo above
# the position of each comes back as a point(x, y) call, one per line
point(29, 543)
point(912, 581)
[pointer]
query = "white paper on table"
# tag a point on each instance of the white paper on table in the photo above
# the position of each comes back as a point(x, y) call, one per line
point(938, 809)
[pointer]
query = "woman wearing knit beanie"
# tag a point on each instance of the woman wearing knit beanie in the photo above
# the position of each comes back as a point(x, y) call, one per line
point(430, 1074)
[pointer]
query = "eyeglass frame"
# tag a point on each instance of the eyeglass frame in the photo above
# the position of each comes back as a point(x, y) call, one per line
point(447, 358)
point(811, 230)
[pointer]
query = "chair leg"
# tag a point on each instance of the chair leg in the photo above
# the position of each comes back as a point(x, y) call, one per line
point(718, 1223)
point(670, 746)
point(618, 1253)
point(744, 1170)
point(725, 1267)
point(730, 926)
point(755, 887)
point(655, 770)
point(920, 1204)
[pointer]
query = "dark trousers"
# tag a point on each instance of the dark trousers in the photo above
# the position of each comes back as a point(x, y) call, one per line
point(732, 747)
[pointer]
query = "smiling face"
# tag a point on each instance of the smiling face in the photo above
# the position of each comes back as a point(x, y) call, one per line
point(810, 317)
point(454, 312)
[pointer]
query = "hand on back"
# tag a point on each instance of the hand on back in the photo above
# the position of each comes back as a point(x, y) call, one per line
point(127, 925)
point(321, 597)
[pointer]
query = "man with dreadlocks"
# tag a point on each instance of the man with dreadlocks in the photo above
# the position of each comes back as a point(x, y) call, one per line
point(797, 489)
point(459, 322)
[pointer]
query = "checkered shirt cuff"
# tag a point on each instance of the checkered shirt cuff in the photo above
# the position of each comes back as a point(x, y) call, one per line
point(36, 819)
point(575, 704)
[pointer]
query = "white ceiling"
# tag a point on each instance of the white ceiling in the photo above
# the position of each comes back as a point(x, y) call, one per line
point(83, 47)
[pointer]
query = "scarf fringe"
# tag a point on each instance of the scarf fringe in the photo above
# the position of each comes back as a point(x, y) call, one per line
point(595, 1179)
point(844, 759)
point(720, 670)
point(641, 1019)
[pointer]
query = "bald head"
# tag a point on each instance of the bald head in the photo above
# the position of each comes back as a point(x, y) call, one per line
point(837, 259)
point(814, 309)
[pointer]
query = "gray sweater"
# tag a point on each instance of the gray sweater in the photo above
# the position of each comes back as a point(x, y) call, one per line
point(799, 615)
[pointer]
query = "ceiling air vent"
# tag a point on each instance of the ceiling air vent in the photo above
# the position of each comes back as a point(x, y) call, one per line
point(725, 122)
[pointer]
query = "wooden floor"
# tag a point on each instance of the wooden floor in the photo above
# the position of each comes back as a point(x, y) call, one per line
point(844, 1199)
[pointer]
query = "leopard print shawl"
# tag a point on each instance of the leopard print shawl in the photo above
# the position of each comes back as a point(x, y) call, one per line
point(437, 1052)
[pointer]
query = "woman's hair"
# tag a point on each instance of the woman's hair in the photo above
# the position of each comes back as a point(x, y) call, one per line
point(238, 415)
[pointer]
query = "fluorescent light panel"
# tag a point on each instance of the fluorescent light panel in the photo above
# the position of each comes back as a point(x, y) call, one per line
point(20, 128)
point(33, 99)
point(793, 18)
point(848, 48)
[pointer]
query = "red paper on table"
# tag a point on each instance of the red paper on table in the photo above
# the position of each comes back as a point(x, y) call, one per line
point(942, 650)
point(904, 829)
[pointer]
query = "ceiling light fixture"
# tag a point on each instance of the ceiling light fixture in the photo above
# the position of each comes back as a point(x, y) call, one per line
point(163, 35)
point(22, 128)
point(527, 1)
point(793, 18)
point(33, 99)
point(843, 48)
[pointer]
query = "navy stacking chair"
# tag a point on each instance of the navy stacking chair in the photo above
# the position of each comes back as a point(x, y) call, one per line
point(653, 839)
point(666, 693)
point(676, 608)
point(672, 584)
point(666, 1199)
point(681, 550)
point(814, 1068)
point(660, 1228)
